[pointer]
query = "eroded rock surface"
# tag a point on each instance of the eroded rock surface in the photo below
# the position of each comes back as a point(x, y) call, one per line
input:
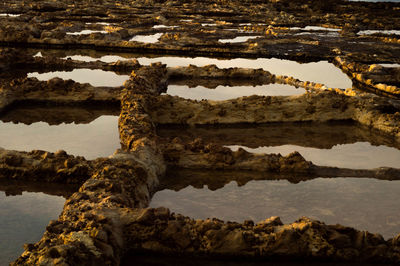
point(107, 218)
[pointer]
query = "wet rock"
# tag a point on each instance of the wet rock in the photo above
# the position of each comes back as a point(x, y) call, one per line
point(108, 214)
point(147, 216)
point(340, 240)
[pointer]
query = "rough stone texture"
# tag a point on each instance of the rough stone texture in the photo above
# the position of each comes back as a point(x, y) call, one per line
point(43, 166)
point(157, 229)
point(374, 77)
point(137, 130)
point(107, 218)
point(271, 19)
point(320, 106)
point(56, 90)
point(89, 230)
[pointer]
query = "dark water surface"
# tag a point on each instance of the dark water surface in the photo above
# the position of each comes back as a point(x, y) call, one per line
point(321, 72)
point(99, 138)
point(94, 77)
point(359, 155)
point(23, 219)
point(339, 144)
point(24, 209)
point(363, 203)
point(221, 93)
point(151, 259)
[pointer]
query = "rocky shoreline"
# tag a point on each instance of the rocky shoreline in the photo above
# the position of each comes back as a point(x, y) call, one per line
point(108, 218)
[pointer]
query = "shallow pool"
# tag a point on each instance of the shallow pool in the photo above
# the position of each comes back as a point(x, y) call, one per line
point(341, 143)
point(359, 155)
point(227, 92)
point(23, 219)
point(99, 138)
point(146, 38)
point(319, 72)
point(94, 77)
point(363, 203)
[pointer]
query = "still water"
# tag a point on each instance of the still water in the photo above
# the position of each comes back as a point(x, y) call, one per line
point(366, 204)
point(94, 77)
point(359, 155)
point(339, 144)
point(319, 72)
point(99, 138)
point(225, 92)
point(146, 38)
point(86, 32)
point(239, 39)
point(23, 219)
point(368, 32)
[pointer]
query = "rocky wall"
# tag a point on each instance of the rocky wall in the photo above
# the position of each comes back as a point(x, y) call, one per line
point(108, 218)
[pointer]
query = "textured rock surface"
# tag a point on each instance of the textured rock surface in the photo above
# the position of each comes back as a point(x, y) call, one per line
point(43, 166)
point(157, 229)
point(320, 106)
point(107, 218)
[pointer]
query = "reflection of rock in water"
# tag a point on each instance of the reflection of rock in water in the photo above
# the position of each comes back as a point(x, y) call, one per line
point(14, 188)
point(24, 217)
point(105, 218)
point(77, 139)
point(28, 113)
point(317, 135)
point(358, 202)
point(180, 178)
point(155, 259)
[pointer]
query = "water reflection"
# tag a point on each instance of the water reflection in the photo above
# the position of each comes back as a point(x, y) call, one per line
point(55, 114)
point(369, 32)
point(374, 1)
point(390, 65)
point(238, 39)
point(147, 38)
point(86, 32)
point(164, 27)
point(341, 144)
point(360, 155)
point(320, 72)
point(316, 28)
point(23, 219)
point(100, 138)
point(95, 77)
point(99, 23)
point(9, 15)
point(366, 204)
point(226, 92)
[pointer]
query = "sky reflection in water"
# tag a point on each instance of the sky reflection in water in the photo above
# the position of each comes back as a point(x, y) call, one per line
point(23, 219)
point(100, 138)
point(363, 203)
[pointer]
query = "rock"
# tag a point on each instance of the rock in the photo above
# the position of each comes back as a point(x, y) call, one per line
point(146, 216)
point(340, 240)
